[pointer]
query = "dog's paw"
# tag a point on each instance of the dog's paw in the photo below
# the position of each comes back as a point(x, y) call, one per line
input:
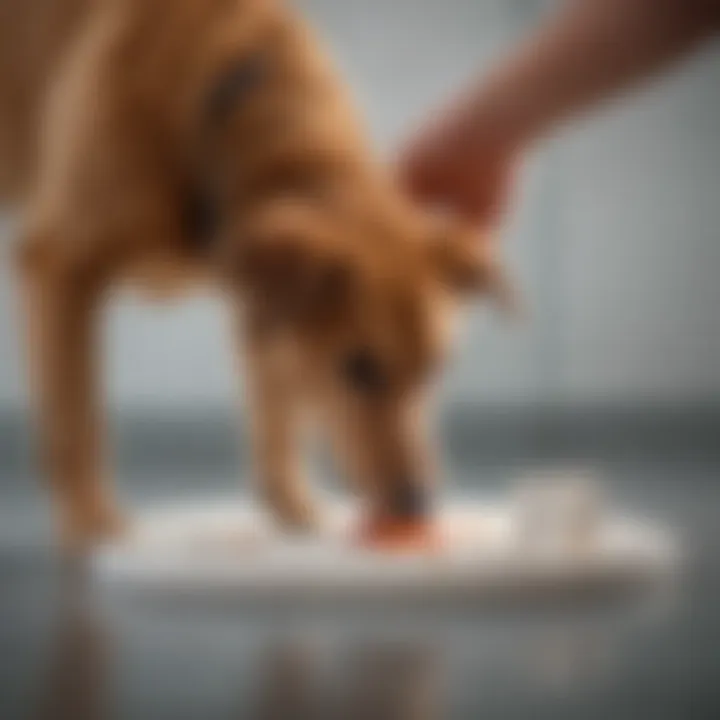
point(295, 512)
point(81, 531)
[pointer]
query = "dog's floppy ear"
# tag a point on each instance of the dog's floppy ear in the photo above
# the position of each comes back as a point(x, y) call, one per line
point(469, 263)
point(290, 267)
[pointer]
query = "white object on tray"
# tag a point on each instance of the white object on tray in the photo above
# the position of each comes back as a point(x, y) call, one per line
point(555, 538)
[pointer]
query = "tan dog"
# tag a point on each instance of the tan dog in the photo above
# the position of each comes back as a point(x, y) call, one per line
point(171, 142)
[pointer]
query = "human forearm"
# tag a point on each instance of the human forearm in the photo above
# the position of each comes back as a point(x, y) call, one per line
point(591, 50)
point(464, 157)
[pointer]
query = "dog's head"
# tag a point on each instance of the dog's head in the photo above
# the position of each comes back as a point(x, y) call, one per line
point(361, 312)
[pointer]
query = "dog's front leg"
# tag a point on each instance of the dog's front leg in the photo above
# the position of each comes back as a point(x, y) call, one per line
point(63, 299)
point(275, 427)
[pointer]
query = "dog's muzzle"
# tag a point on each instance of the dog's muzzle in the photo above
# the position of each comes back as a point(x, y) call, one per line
point(410, 501)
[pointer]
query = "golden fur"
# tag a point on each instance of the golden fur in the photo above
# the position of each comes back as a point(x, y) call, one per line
point(341, 285)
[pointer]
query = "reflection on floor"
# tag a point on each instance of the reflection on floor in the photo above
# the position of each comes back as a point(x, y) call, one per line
point(67, 652)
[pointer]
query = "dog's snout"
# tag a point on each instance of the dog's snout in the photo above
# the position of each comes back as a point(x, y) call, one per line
point(410, 499)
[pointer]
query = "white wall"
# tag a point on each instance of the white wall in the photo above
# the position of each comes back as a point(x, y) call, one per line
point(641, 227)
point(614, 242)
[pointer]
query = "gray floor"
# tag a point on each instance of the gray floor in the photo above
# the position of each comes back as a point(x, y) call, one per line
point(65, 653)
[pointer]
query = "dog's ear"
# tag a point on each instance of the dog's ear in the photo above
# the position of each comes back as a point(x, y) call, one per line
point(469, 263)
point(290, 268)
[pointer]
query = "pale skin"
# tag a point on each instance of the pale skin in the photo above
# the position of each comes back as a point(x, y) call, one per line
point(590, 50)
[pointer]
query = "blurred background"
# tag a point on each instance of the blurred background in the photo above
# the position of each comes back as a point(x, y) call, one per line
point(615, 245)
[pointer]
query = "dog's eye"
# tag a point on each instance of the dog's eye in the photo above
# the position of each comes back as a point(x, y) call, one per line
point(363, 372)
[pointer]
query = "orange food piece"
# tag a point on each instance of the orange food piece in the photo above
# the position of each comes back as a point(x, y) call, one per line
point(395, 535)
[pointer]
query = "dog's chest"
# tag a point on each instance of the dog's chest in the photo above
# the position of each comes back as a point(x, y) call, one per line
point(166, 274)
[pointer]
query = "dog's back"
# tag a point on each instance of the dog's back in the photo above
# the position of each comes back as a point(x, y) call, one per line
point(33, 36)
point(169, 45)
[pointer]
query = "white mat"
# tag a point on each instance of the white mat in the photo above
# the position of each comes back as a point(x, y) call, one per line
point(487, 551)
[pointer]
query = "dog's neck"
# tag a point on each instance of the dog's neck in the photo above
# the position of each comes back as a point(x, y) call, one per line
point(314, 154)
point(307, 146)
point(334, 183)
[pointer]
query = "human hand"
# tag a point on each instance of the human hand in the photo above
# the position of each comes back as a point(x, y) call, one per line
point(460, 164)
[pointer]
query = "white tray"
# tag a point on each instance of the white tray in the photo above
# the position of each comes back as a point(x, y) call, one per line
point(230, 547)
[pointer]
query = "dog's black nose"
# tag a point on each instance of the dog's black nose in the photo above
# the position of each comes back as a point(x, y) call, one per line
point(410, 500)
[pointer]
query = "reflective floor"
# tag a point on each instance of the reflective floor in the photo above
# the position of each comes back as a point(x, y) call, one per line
point(67, 652)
